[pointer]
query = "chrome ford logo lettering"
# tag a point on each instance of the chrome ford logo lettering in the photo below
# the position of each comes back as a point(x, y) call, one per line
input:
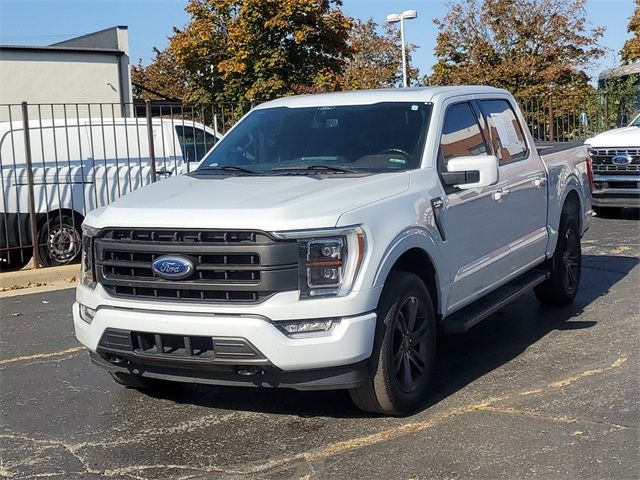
point(172, 268)
point(621, 160)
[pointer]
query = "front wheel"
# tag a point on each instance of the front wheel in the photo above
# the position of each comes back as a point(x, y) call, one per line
point(15, 259)
point(404, 349)
point(565, 266)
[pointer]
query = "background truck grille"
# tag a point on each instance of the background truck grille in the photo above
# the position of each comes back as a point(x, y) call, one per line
point(601, 159)
point(228, 266)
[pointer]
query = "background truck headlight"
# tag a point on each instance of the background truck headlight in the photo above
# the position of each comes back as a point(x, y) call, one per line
point(87, 270)
point(328, 260)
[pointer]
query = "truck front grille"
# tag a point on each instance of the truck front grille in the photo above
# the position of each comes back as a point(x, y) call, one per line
point(602, 161)
point(240, 266)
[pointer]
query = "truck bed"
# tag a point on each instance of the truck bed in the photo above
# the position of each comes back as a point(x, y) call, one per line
point(546, 148)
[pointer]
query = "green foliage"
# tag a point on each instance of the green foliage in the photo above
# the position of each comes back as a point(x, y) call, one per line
point(621, 96)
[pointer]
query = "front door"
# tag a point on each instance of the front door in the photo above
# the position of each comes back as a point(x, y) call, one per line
point(476, 229)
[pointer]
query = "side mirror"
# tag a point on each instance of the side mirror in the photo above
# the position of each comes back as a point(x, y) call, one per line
point(471, 172)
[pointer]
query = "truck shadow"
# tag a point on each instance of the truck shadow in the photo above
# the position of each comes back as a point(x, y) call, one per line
point(461, 359)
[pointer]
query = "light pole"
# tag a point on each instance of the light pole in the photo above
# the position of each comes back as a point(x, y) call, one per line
point(401, 17)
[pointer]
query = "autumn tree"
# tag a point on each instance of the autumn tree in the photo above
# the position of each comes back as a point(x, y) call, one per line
point(529, 47)
point(238, 50)
point(162, 79)
point(376, 60)
point(631, 50)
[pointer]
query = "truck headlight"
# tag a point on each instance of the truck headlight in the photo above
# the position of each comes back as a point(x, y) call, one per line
point(87, 270)
point(328, 260)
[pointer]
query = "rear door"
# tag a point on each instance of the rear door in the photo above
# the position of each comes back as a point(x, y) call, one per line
point(522, 196)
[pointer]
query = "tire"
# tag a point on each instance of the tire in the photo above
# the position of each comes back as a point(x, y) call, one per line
point(403, 351)
point(565, 265)
point(130, 380)
point(59, 241)
point(15, 260)
point(607, 212)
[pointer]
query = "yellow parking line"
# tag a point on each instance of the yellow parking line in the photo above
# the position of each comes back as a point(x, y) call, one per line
point(40, 356)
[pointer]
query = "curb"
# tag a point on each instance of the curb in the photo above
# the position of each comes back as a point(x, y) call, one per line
point(38, 277)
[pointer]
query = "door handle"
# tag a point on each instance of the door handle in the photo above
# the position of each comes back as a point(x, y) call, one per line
point(539, 181)
point(499, 195)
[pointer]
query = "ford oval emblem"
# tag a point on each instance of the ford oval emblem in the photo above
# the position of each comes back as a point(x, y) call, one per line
point(172, 268)
point(621, 160)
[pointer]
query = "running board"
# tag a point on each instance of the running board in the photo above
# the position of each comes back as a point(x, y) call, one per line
point(471, 315)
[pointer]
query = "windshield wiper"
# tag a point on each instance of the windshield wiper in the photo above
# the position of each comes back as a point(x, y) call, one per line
point(226, 168)
point(317, 168)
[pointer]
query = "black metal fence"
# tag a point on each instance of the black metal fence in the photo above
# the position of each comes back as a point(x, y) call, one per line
point(60, 161)
point(570, 117)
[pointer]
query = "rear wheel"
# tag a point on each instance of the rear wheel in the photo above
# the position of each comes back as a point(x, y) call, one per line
point(607, 211)
point(565, 266)
point(404, 349)
point(59, 241)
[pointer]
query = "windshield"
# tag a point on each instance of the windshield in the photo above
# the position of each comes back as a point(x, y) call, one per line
point(636, 122)
point(343, 139)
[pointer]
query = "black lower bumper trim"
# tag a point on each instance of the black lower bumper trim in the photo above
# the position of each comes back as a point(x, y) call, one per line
point(347, 376)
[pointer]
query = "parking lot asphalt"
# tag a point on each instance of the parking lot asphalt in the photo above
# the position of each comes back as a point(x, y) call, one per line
point(532, 392)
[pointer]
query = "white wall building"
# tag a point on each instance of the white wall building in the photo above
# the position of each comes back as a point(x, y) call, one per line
point(93, 68)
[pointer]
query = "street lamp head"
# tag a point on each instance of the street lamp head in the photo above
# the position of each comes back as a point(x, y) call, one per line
point(393, 18)
point(409, 14)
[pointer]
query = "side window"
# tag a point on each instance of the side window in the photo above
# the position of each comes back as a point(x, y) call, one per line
point(461, 134)
point(506, 133)
point(195, 143)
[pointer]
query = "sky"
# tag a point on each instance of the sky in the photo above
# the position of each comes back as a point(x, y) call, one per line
point(151, 22)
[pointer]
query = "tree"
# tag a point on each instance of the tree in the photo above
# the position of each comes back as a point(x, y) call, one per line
point(162, 79)
point(376, 60)
point(235, 50)
point(631, 50)
point(529, 47)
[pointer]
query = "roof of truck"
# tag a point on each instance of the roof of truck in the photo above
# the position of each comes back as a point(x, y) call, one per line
point(363, 97)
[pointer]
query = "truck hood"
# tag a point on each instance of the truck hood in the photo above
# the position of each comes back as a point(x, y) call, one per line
point(619, 137)
point(263, 203)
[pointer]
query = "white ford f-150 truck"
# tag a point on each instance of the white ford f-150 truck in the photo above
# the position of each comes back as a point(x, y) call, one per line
point(326, 238)
point(615, 155)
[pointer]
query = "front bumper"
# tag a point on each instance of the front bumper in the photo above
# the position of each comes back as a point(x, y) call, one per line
point(616, 191)
point(350, 341)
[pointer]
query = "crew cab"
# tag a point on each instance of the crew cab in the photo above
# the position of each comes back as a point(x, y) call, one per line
point(324, 241)
point(615, 157)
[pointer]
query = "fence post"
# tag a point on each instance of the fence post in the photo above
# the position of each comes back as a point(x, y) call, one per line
point(551, 129)
point(152, 150)
point(33, 224)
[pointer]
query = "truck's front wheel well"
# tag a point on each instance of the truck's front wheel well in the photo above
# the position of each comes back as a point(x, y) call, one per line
point(417, 261)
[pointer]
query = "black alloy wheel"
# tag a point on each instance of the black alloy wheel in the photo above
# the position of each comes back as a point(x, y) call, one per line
point(410, 346)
